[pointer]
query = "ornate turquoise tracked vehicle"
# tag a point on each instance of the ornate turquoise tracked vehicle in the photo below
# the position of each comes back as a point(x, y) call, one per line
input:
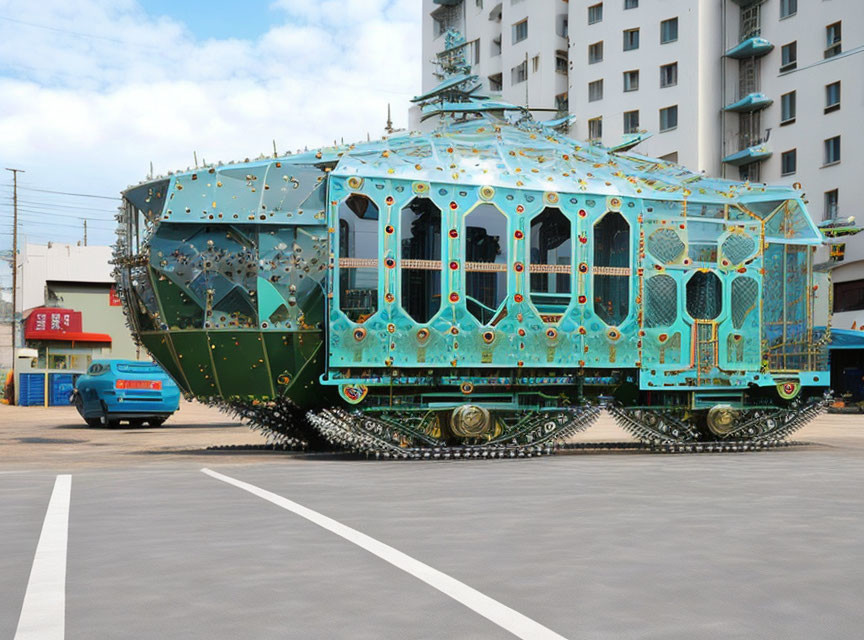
point(478, 291)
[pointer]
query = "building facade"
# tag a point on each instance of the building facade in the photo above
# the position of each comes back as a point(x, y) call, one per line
point(767, 91)
point(518, 48)
point(69, 315)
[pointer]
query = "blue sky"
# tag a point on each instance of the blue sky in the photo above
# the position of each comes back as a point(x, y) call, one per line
point(218, 19)
point(93, 91)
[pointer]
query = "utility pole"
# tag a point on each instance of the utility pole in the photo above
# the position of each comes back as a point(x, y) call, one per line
point(85, 232)
point(14, 259)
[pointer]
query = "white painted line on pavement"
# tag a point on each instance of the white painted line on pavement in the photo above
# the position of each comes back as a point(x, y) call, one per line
point(43, 614)
point(519, 625)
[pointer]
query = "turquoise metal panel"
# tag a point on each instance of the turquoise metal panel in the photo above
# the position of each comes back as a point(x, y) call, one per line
point(750, 102)
point(751, 47)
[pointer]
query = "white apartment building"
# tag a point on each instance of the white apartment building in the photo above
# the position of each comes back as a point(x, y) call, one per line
point(518, 48)
point(771, 90)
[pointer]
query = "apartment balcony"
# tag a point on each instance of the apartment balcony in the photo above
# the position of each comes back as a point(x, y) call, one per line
point(753, 47)
point(745, 3)
point(750, 102)
point(754, 153)
point(447, 3)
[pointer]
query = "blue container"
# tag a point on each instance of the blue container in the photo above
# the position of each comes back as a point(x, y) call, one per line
point(32, 391)
point(61, 386)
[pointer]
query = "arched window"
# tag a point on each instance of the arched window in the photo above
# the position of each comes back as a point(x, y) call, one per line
point(551, 261)
point(486, 263)
point(420, 262)
point(358, 257)
point(704, 295)
point(612, 268)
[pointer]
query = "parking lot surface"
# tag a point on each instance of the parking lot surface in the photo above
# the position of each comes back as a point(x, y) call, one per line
point(275, 545)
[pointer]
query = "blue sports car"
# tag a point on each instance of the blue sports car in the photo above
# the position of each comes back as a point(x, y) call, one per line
point(115, 390)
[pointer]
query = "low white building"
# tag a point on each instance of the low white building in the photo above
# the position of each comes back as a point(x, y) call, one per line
point(70, 315)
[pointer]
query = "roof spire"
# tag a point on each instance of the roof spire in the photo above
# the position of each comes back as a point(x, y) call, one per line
point(389, 126)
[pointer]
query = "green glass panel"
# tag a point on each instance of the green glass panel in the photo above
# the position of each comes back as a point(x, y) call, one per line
point(158, 345)
point(240, 364)
point(193, 350)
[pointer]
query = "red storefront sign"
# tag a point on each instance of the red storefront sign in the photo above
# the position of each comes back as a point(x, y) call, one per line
point(46, 323)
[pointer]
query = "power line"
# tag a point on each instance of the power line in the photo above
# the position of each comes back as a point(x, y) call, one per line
point(66, 193)
point(33, 221)
point(57, 214)
point(78, 34)
point(40, 203)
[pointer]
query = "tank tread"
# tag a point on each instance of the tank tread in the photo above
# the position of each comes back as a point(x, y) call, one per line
point(769, 425)
point(280, 421)
point(653, 426)
point(364, 434)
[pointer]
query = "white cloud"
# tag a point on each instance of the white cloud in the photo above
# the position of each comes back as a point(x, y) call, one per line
point(98, 89)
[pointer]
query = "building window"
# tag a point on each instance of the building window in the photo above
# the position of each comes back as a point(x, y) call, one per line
point(832, 150)
point(535, 64)
point(787, 108)
point(669, 118)
point(563, 26)
point(750, 172)
point(496, 82)
point(595, 91)
point(789, 56)
point(631, 80)
point(832, 40)
point(669, 75)
point(520, 31)
point(595, 128)
point(519, 73)
point(788, 8)
point(631, 4)
point(669, 30)
point(561, 61)
point(848, 296)
point(750, 24)
point(595, 52)
point(595, 13)
point(832, 96)
point(748, 76)
point(670, 157)
point(631, 39)
point(472, 52)
point(631, 121)
point(562, 103)
point(832, 202)
point(788, 162)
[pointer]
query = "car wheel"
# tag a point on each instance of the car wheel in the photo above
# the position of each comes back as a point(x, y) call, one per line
point(112, 423)
point(93, 422)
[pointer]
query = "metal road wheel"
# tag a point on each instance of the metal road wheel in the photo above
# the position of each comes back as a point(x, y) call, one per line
point(721, 419)
point(470, 421)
